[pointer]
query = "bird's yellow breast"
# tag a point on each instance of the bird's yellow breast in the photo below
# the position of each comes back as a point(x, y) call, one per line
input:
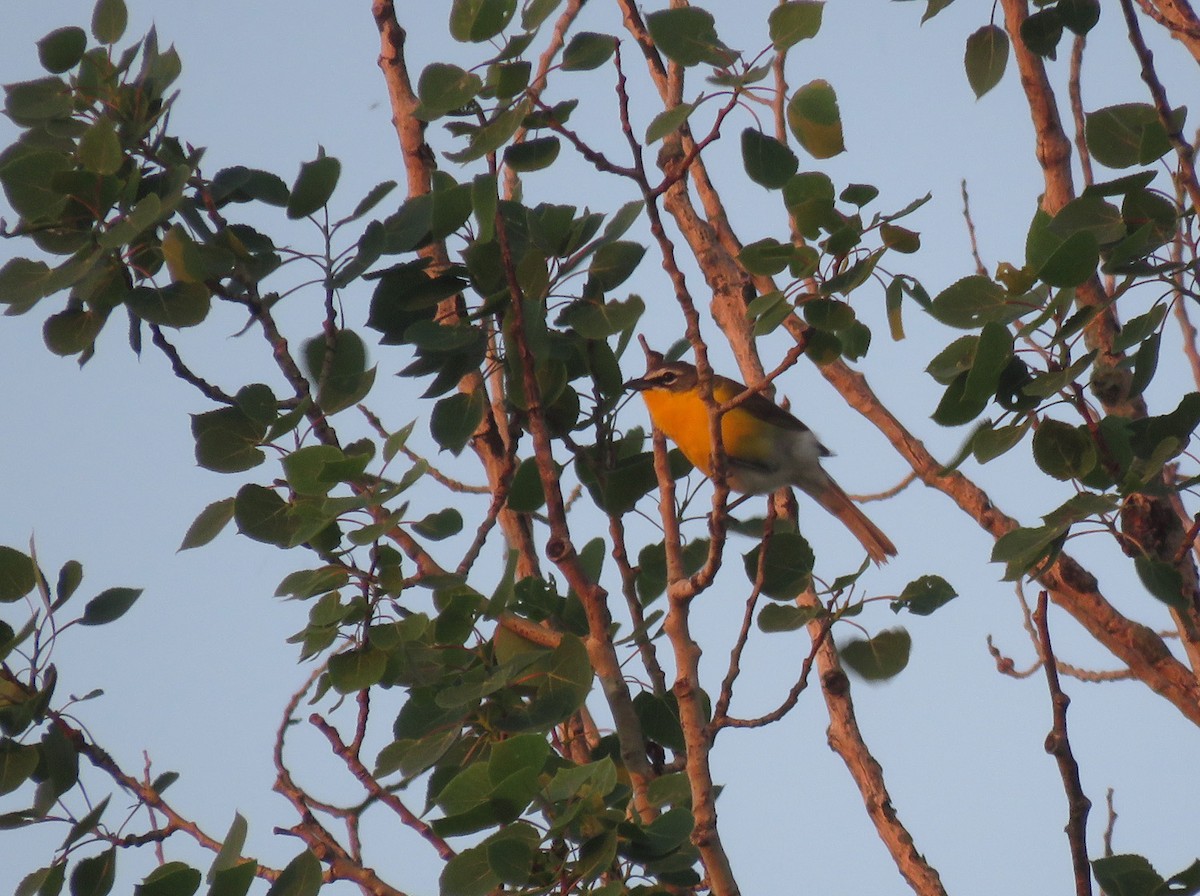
point(684, 419)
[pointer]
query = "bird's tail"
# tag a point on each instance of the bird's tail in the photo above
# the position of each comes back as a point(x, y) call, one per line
point(837, 502)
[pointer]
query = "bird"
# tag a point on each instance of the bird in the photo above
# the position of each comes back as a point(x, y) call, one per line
point(765, 446)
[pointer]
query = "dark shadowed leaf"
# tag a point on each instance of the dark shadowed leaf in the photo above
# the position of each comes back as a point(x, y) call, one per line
point(1063, 451)
point(1079, 15)
point(614, 262)
point(924, 595)
point(532, 155)
point(986, 58)
point(474, 21)
point(227, 440)
point(880, 657)
point(301, 877)
point(17, 574)
point(786, 617)
point(94, 875)
point(61, 49)
point(666, 122)
point(794, 21)
point(109, 18)
point(356, 670)
point(314, 185)
point(108, 605)
point(443, 87)
point(440, 524)
point(468, 874)
point(587, 50)
point(1127, 875)
point(767, 161)
point(1042, 31)
point(208, 524)
point(1129, 134)
point(688, 35)
point(169, 879)
point(1162, 580)
point(17, 763)
point(455, 418)
point(787, 567)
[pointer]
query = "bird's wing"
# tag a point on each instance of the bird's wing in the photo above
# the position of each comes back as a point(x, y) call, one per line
point(763, 408)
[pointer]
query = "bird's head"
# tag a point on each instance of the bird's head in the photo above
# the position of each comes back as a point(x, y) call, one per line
point(678, 376)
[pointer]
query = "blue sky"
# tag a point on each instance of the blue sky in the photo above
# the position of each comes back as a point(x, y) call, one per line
point(97, 465)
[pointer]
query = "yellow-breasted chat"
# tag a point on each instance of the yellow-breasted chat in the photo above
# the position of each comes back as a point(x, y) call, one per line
point(765, 446)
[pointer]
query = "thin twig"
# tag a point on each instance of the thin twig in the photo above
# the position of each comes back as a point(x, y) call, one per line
point(1075, 93)
point(1058, 745)
point(1183, 149)
point(980, 268)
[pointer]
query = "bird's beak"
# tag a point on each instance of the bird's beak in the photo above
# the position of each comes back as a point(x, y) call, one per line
point(636, 385)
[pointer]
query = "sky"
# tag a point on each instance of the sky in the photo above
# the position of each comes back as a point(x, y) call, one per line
point(97, 465)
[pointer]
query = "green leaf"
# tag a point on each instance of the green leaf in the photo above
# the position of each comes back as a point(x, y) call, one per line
point(794, 21)
point(660, 719)
point(786, 617)
point(613, 263)
point(1063, 451)
point(1071, 263)
point(880, 657)
point(69, 578)
point(511, 852)
point(440, 524)
point(61, 49)
point(1026, 547)
point(474, 21)
point(227, 440)
point(348, 379)
point(526, 493)
point(587, 50)
point(924, 595)
point(990, 441)
point(532, 155)
point(1162, 580)
point(443, 87)
point(1079, 15)
point(1129, 134)
point(18, 576)
point(768, 162)
point(109, 605)
point(1042, 31)
point(178, 305)
point(767, 257)
point(301, 877)
point(1145, 362)
point(455, 419)
point(1127, 875)
point(900, 239)
point(262, 515)
point(688, 35)
point(17, 763)
point(971, 302)
point(22, 282)
point(468, 874)
point(313, 186)
point(993, 353)
point(109, 19)
point(813, 116)
point(356, 670)
point(100, 148)
point(668, 121)
point(986, 58)
point(72, 331)
point(169, 879)
point(94, 875)
point(230, 853)
point(492, 135)
point(787, 567)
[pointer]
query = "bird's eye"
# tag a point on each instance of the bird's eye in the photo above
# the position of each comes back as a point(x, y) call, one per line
point(667, 378)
